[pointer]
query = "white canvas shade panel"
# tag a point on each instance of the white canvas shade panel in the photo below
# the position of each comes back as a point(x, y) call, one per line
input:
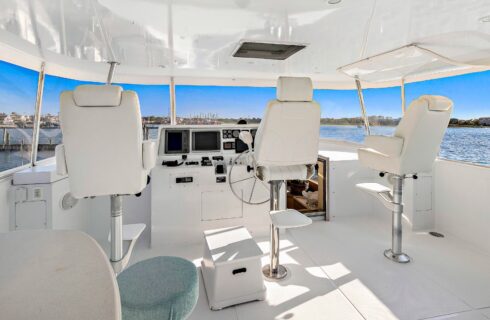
point(403, 63)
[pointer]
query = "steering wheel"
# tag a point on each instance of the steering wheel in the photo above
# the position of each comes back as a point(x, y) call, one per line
point(244, 183)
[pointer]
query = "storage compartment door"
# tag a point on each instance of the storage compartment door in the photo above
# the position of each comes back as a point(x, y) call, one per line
point(216, 205)
point(30, 215)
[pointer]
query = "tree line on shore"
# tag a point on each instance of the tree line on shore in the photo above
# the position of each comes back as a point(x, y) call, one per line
point(380, 121)
point(355, 121)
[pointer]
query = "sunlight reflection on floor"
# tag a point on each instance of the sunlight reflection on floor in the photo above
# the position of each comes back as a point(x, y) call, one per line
point(337, 272)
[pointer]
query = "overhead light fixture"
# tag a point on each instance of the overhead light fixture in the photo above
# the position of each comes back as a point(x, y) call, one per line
point(265, 50)
point(484, 19)
point(334, 1)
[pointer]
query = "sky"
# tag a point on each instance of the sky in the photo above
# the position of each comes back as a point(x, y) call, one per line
point(470, 93)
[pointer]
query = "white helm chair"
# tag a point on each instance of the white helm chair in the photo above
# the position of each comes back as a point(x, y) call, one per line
point(103, 153)
point(412, 149)
point(286, 148)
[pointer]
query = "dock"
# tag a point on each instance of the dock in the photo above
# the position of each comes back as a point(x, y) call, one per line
point(26, 147)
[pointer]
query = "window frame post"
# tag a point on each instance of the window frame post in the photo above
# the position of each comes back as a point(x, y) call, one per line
point(37, 114)
point(173, 110)
point(363, 108)
point(402, 93)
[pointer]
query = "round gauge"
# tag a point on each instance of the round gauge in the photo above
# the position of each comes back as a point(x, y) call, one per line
point(236, 133)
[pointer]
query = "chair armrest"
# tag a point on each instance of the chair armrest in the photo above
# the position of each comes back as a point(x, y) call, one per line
point(391, 146)
point(149, 154)
point(59, 152)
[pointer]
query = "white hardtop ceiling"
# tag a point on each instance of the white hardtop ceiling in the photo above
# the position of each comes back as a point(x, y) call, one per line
point(193, 40)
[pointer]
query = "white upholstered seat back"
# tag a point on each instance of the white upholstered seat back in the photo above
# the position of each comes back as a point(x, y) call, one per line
point(102, 137)
point(422, 128)
point(290, 128)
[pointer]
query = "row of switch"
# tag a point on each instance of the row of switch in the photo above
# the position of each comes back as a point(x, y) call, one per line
point(230, 134)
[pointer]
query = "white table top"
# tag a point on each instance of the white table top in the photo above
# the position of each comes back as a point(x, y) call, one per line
point(47, 274)
point(44, 173)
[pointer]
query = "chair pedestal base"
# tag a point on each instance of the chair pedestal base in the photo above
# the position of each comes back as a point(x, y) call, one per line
point(120, 233)
point(279, 273)
point(281, 219)
point(393, 201)
point(274, 270)
point(400, 257)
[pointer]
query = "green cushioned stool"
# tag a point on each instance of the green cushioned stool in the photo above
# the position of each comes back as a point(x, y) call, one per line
point(163, 288)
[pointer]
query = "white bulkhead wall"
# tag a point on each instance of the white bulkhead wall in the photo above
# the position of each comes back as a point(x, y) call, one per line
point(4, 204)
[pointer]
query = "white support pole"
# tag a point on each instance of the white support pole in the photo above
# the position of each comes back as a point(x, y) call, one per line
point(116, 228)
point(395, 253)
point(173, 112)
point(37, 115)
point(402, 92)
point(170, 39)
point(112, 69)
point(274, 270)
point(64, 48)
point(274, 205)
point(363, 108)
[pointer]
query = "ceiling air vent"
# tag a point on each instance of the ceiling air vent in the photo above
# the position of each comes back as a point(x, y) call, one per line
point(263, 50)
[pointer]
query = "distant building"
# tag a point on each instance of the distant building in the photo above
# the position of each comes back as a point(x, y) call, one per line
point(50, 120)
point(484, 121)
point(8, 121)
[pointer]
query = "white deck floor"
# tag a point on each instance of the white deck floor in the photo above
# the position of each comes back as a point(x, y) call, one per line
point(338, 272)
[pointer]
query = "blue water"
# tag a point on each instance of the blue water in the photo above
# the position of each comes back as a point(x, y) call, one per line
point(463, 144)
point(352, 133)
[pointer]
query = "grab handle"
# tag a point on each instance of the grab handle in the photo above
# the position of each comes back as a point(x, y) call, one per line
point(238, 271)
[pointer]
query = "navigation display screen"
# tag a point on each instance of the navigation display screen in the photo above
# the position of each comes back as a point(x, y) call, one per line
point(206, 141)
point(176, 141)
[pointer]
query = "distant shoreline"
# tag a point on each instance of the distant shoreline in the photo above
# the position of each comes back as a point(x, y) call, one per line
point(324, 122)
point(386, 125)
point(466, 126)
point(378, 121)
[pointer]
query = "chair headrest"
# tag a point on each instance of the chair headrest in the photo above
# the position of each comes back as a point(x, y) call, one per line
point(294, 89)
point(437, 103)
point(90, 95)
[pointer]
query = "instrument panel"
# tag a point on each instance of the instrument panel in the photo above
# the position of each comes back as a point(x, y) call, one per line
point(191, 183)
point(185, 139)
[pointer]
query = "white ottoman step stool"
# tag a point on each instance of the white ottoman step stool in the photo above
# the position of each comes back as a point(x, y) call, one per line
point(231, 267)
